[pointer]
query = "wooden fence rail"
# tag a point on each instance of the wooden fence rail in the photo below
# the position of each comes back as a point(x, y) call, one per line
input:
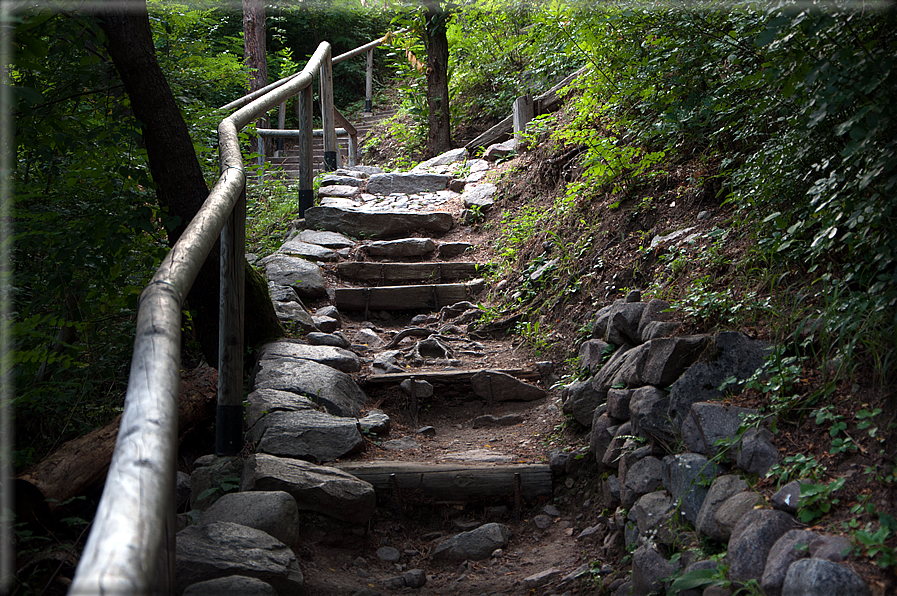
point(130, 549)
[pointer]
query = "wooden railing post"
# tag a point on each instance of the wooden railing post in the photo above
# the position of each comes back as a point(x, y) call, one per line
point(331, 152)
point(369, 83)
point(281, 123)
point(229, 416)
point(304, 106)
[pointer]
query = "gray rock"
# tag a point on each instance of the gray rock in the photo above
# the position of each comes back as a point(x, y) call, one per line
point(362, 171)
point(479, 195)
point(606, 377)
point(541, 578)
point(721, 489)
point(293, 313)
point(833, 548)
point(623, 321)
point(649, 569)
point(581, 402)
point(699, 566)
point(405, 247)
point(651, 510)
point(316, 488)
point(610, 492)
point(729, 354)
point(688, 477)
point(340, 191)
point(334, 179)
point(387, 362)
point(337, 340)
point(232, 585)
point(211, 472)
point(791, 547)
point(375, 422)
point(369, 338)
point(599, 323)
point(416, 388)
point(449, 157)
point(327, 239)
point(223, 548)
point(633, 296)
point(330, 311)
point(499, 150)
point(731, 511)
point(648, 409)
point(488, 420)
point(708, 423)
point(655, 312)
point(658, 329)
point(325, 324)
point(660, 361)
point(752, 539)
point(474, 545)
point(643, 477)
point(492, 385)
point(818, 577)
point(282, 293)
point(338, 358)
point(405, 183)
point(415, 578)
point(272, 512)
point(450, 312)
point(388, 554)
point(304, 277)
point(336, 391)
point(449, 250)
point(308, 434)
point(618, 403)
point(403, 444)
point(757, 454)
point(377, 224)
point(615, 448)
point(309, 252)
point(266, 401)
point(600, 437)
point(591, 354)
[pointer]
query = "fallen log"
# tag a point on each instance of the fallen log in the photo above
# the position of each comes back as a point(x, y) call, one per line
point(455, 482)
point(80, 463)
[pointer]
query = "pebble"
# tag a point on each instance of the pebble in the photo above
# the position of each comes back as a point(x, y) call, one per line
point(388, 554)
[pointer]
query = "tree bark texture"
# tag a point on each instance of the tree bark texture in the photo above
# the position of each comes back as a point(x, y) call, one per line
point(439, 138)
point(255, 57)
point(180, 186)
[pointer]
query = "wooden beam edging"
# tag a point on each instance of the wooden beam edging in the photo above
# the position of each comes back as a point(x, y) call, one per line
point(449, 376)
point(455, 482)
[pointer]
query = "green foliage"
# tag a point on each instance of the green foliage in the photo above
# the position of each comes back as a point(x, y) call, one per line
point(816, 499)
point(872, 542)
point(796, 467)
point(718, 308)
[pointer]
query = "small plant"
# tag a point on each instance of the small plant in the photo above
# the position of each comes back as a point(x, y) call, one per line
point(228, 484)
point(795, 467)
point(870, 541)
point(816, 499)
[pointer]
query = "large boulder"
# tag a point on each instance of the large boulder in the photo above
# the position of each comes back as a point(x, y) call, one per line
point(304, 277)
point(818, 577)
point(342, 360)
point(307, 434)
point(688, 477)
point(316, 488)
point(493, 385)
point(361, 223)
point(336, 391)
point(660, 361)
point(581, 402)
point(752, 539)
point(721, 489)
point(473, 545)
point(273, 512)
point(730, 354)
point(221, 549)
point(405, 183)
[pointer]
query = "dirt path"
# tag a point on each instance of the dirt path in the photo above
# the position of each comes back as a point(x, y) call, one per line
point(544, 531)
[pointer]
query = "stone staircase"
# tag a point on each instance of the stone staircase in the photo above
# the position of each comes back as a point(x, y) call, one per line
point(377, 247)
point(287, 159)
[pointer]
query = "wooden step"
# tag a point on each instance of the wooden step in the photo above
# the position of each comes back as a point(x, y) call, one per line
point(392, 273)
point(455, 482)
point(449, 376)
point(423, 297)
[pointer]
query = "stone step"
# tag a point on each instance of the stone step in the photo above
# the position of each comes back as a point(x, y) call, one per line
point(391, 298)
point(392, 273)
point(361, 223)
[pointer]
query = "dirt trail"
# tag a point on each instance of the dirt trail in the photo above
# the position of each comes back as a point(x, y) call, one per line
point(343, 560)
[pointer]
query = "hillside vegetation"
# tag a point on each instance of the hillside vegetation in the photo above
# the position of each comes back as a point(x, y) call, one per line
point(768, 129)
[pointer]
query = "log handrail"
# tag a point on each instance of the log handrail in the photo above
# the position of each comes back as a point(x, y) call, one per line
point(130, 549)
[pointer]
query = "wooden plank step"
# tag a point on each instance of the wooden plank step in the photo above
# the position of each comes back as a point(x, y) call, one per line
point(404, 272)
point(423, 297)
point(455, 482)
point(449, 376)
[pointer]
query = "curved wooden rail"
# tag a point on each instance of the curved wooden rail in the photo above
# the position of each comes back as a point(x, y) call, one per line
point(130, 549)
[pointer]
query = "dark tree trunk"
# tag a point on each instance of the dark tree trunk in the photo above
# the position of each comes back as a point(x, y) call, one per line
point(254, 53)
point(439, 138)
point(180, 186)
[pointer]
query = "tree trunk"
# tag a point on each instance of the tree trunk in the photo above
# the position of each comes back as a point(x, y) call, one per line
point(180, 186)
point(439, 137)
point(254, 55)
